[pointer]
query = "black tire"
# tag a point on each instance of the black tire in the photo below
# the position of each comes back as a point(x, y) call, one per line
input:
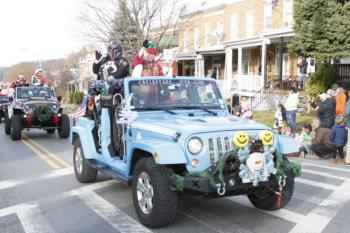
point(63, 131)
point(164, 200)
point(16, 127)
point(265, 199)
point(87, 174)
point(7, 125)
point(50, 131)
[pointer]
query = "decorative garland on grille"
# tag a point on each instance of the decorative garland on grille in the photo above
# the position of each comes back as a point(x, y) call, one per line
point(215, 173)
point(43, 113)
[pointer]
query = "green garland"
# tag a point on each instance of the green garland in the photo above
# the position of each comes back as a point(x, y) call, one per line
point(281, 165)
point(43, 113)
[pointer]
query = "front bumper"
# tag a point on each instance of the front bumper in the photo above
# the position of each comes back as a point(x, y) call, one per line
point(232, 186)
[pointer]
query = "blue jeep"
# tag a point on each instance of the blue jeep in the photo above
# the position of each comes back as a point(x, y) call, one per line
point(167, 136)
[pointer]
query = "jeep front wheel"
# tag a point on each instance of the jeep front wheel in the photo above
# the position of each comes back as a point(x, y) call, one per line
point(16, 128)
point(154, 202)
point(83, 172)
point(264, 198)
point(7, 124)
point(63, 131)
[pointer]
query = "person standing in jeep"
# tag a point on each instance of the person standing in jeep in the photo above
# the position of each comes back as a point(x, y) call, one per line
point(113, 68)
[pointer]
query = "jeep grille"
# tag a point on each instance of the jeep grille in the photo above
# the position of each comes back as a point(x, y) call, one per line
point(217, 147)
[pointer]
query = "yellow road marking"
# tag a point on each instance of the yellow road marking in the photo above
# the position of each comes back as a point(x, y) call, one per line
point(51, 163)
point(49, 153)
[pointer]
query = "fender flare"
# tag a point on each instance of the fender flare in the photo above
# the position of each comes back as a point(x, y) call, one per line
point(163, 152)
point(87, 143)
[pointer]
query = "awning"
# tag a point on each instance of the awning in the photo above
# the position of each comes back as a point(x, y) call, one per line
point(186, 56)
point(169, 41)
point(216, 49)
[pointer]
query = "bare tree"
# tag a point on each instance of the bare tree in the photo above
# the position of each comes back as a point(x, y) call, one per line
point(128, 20)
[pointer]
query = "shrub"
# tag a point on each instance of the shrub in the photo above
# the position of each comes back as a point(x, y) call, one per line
point(76, 98)
point(321, 80)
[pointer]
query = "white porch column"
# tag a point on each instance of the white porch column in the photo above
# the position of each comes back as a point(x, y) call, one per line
point(239, 69)
point(228, 69)
point(263, 63)
point(199, 66)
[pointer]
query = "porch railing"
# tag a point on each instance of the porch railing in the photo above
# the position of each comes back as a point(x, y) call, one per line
point(249, 82)
point(287, 82)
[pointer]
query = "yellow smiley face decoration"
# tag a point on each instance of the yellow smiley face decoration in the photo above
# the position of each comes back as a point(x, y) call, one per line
point(266, 137)
point(241, 139)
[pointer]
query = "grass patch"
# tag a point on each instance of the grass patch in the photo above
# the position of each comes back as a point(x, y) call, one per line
point(268, 118)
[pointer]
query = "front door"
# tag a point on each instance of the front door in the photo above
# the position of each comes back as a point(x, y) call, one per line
point(217, 68)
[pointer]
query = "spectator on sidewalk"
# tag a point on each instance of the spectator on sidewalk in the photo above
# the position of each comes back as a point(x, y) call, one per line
point(326, 110)
point(305, 139)
point(291, 108)
point(340, 98)
point(339, 137)
point(321, 144)
point(280, 118)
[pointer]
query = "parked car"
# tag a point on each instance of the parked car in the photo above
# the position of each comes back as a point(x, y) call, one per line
point(4, 102)
point(35, 107)
point(175, 135)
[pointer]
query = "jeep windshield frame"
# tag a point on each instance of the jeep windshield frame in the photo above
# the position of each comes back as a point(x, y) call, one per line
point(34, 92)
point(164, 94)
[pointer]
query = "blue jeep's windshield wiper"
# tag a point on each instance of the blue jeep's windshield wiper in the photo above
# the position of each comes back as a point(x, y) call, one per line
point(197, 107)
point(156, 109)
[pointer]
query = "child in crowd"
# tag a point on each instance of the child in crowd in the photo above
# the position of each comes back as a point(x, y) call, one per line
point(280, 119)
point(305, 139)
point(247, 113)
point(339, 137)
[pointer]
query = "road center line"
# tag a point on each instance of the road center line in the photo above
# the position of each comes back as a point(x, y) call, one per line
point(33, 220)
point(322, 214)
point(48, 152)
point(51, 163)
point(49, 175)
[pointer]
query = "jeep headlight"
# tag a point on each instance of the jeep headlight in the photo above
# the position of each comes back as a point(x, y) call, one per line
point(195, 145)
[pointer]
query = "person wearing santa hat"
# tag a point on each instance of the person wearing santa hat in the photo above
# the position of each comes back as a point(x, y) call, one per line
point(144, 62)
point(38, 79)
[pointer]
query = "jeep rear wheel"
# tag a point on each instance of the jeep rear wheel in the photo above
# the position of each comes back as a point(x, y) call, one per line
point(16, 128)
point(83, 172)
point(154, 202)
point(7, 124)
point(265, 199)
point(63, 131)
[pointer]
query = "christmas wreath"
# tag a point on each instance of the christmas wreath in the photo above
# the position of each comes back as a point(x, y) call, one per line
point(43, 113)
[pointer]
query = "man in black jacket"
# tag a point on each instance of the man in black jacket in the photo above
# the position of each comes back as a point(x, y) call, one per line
point(113, 68)
point(326, 111)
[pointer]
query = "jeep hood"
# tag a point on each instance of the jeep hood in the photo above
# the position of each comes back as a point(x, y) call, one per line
point(192, 125)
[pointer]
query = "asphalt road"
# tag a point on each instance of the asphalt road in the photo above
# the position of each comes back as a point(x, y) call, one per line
point(39, 193)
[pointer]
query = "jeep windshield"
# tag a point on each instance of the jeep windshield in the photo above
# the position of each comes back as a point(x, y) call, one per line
point(23, 93)
point(4, 99)
point(169, 94)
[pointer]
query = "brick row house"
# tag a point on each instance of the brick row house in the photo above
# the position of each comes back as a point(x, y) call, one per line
point(243, 42)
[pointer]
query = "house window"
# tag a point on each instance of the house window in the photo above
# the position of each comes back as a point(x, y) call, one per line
point(246, 61)
point(234, 28)
point(196, 38)
point(220, 32)
point(288, 13)
point(268, 14)
point(186, 40)
point(207, 34)
point(250, 23)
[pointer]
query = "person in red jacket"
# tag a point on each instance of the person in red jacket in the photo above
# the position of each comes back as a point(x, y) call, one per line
point(144, 63)
point(340, 99)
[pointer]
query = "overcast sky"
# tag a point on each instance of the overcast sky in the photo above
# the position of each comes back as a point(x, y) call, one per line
point(45, 29)
point(33, 29)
